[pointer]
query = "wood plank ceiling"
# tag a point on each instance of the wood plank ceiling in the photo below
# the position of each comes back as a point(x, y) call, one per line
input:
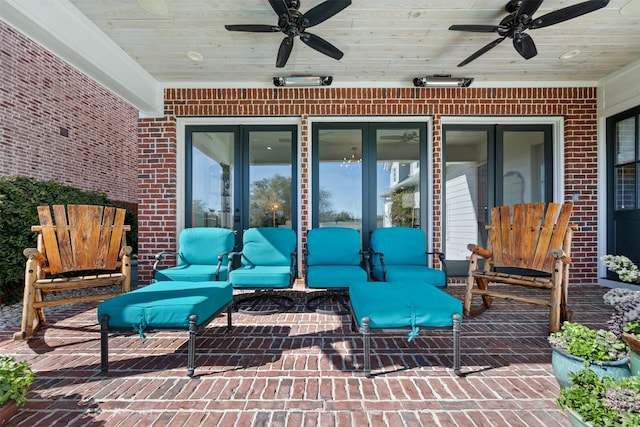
point(383, 41)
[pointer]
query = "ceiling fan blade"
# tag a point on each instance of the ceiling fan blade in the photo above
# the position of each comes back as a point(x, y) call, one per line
point(567, 13)
point(281, 9)
point(475, 28)
point(321, 45)
point(253, 28)
point(482, 51)
point(525, 46)
point(529, 7)
point(284, 52)
point(322, 12)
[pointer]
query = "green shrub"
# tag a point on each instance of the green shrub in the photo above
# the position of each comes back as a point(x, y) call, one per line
point(15, 379)
point(19, 199)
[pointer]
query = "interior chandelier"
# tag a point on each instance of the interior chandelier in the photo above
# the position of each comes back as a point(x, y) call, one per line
point(353, 158)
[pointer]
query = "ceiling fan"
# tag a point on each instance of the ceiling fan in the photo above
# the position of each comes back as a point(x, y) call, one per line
point(293, 24)
point(520, 18)
point(411, 136)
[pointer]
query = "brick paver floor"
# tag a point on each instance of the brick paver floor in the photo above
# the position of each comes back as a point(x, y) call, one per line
point(299, 369)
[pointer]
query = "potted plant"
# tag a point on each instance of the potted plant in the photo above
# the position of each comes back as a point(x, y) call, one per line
point(15, 379)
point(597, 401)
point(625, 321)
point(577, 346)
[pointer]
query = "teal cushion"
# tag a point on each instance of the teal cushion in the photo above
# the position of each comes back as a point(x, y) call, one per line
point(191, 273)
point(400, 245)
point(249, 276)
point(268, 246)
point(202, 245)
point(402, 304)
point(333, 246)
point(166, 304)
point(334, 276)
point(401, 273)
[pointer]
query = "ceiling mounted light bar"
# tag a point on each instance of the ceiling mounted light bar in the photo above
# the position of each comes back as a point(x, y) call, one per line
point(442, 81)
point(299, 81)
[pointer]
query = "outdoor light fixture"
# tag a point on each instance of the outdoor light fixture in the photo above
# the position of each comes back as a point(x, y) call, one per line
point(442, 81)
point(302, 81)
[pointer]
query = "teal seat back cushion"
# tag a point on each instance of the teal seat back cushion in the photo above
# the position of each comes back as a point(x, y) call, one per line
point(400, 246)
point(333, 246)
point(202, 245)
point(265, 246)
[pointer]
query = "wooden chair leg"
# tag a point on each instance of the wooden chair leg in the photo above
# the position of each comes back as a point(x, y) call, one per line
point(483, 284)
point(28, 312)
point(556, 300)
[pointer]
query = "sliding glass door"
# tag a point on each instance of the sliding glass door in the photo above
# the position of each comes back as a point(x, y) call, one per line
point(367, 175)
point(487, 166)
point(240, 176)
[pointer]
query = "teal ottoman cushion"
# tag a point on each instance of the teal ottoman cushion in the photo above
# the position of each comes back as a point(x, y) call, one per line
point(391, 305)
point(166, 304)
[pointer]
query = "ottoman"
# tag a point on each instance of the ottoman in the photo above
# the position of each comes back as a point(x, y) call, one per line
point(165, 305)
point(393, 307)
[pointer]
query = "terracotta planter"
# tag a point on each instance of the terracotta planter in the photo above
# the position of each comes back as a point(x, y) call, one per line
point(634, 357)
point(562, 363)
point(8, 410)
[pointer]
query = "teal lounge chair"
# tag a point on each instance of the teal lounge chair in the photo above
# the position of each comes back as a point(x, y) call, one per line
point(267, 263)
point(398, 254)
point(202, 256)
point(333, 260)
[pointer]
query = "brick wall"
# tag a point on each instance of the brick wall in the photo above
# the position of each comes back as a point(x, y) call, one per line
point(39, 95)
point(157, 144)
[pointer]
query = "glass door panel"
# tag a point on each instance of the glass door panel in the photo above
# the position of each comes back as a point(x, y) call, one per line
point(340, 178)
point(523, 167)
point(398, 177)
point(466, 193)
point(625, 164)
point(270, 178)
point(211, 199)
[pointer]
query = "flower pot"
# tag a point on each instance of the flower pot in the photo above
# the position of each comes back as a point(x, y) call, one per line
point(634, 356)
point(562, 363)
point(576, 420)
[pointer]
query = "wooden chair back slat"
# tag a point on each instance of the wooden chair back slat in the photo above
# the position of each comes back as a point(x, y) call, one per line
point(84, 229)
point(117, 239)
point(559, 233)
point(541, 254)
point(50, 240)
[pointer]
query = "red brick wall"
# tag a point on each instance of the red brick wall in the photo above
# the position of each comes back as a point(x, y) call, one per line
point(39, 94)
point(157, 148)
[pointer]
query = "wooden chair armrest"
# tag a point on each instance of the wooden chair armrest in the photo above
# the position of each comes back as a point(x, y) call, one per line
point(561, 255)
point(33, 253)
point(125, 250)
point(479, 250)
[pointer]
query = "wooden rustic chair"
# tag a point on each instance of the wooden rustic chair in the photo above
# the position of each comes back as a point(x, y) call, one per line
point(529, 246)
point(85, 248)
